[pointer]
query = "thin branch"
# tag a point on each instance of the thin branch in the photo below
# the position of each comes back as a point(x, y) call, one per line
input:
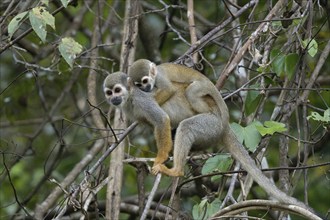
point(254, 36)
point(244, 206)
point(151, 197)
point(212, 34)
point(192, 28)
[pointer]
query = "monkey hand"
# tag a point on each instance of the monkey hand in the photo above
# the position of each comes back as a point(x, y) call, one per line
point(156, 168)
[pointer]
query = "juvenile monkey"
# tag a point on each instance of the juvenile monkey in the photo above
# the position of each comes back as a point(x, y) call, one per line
point(147, 76)
point(140, 106)
point(208, 125)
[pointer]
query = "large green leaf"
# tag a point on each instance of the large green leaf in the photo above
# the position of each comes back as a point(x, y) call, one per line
point(249, 135)
point(69, 49)
point(15, 23)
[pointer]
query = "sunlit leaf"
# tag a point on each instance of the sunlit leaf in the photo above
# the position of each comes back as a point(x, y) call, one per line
point(69, 49)
point(317, 117)
point(270, 127)
point(312, 46)
point(15, 23)
point(65, 3)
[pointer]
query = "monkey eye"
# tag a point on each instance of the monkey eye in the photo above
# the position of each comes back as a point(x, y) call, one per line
point(108, 92)
point(145, 81)
point(117, 90)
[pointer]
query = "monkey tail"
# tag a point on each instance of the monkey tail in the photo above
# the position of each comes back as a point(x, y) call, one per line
point(240, 154)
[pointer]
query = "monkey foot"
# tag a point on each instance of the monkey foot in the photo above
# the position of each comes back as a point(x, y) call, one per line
point(161, 168)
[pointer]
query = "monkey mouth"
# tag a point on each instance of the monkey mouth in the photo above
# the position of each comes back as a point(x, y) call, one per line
point(116, 101)
point(147, 88)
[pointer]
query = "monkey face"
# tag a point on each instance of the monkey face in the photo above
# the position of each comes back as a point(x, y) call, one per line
point(117, 95)
point(115, 89)
point(146, 84)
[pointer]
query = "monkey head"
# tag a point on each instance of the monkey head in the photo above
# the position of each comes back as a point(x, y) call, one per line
point(143, 74)
point(116, 89)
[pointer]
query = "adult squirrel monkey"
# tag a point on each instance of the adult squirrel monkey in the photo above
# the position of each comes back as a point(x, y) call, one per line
point(206, 122)
point(135, 103)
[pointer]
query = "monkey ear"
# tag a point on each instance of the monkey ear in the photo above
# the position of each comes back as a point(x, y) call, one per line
point(153, 70)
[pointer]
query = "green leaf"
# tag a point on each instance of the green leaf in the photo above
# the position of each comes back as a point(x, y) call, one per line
point(45, 2)
point(65, 3)
point(277, 62)
point(252, 136)
point(252, 99)
point(218, 163)
point(198, 211)
point(39, 18)
point(312, 46)
point(69, 49)
point(15, 23)
point(317, 117)
point(238, 131)
point(213, 207)
point(38, 25)
point(270, 127)
point(249, 135)
point(290, 64)
point(204, 210)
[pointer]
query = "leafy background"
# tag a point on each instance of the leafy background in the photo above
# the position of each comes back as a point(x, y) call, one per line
point(47, 125)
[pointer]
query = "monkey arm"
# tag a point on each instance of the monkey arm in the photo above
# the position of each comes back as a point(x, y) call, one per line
point(163, 95)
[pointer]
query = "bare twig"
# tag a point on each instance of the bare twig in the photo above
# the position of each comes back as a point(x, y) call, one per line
point(151, 197)
point(213, 33)
point(254, 36)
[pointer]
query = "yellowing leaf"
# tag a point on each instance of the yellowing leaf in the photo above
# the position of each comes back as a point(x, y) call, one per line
point(39, 18)
point(38, 25)
point(69, 49)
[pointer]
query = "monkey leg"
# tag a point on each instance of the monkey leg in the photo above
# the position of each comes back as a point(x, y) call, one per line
point(200, 130)
point(163, 138)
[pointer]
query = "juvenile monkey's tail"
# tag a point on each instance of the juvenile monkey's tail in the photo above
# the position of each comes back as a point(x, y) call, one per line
point(241, 155)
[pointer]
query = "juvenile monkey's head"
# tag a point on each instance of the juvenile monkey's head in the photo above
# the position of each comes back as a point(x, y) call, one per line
point(115, 89)
point(143, 73)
